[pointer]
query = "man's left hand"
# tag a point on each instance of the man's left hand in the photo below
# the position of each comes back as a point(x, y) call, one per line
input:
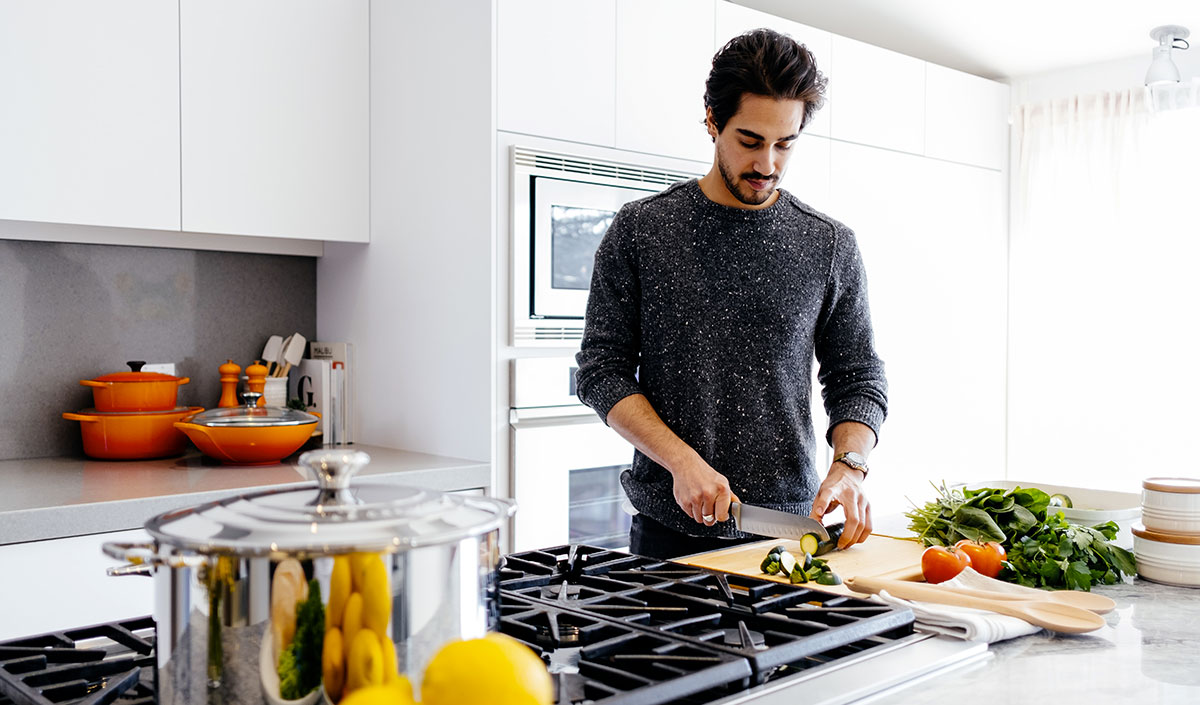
point(843, 488)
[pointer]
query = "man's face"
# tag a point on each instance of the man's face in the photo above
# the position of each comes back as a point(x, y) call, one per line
point(753, 150)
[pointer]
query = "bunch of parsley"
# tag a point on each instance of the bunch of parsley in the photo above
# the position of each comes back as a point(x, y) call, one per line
point(1043, 551)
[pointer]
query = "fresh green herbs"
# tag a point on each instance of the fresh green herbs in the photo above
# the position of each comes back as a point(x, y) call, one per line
point(300, 662)
point(1042, 552)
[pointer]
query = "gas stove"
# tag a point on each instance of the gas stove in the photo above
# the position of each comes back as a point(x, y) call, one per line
point(613, 629)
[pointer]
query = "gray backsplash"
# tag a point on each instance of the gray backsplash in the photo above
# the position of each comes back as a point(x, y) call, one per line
point(70, 312)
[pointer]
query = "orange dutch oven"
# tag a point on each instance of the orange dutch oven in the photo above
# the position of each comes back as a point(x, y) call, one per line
point(132, 435)
point(135, 390)
point(249, 434)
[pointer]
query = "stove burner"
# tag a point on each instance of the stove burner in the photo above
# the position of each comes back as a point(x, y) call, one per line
point(563, 592)
point(744, 637)
point(564, 634)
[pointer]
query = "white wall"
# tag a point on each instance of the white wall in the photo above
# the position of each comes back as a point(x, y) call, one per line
point(417, 301)
point(1095, 78)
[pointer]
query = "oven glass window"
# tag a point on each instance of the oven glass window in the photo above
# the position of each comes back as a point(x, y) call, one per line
point(596, 517)
point(575, 234)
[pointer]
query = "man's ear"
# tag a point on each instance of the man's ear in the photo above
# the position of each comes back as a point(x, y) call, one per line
point(709, 124)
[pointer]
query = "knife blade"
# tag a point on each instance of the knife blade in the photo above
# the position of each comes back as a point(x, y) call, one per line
point(774, 523)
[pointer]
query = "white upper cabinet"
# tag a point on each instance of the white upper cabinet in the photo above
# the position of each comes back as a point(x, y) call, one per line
point(556, 69)
point(276, 118)
point(877, 97)
point(966, 118)
point(664, 53)
point(732, 20)
point(89, 127)
point(808, 171)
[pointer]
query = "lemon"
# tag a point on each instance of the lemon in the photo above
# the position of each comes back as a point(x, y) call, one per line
point(333, 662)
point(339, 591)
point(358, 566)
point(398, 693)
point(507, 671)
point(390, 670)
point(365, 665)
point(351, 620)
point(376, 596)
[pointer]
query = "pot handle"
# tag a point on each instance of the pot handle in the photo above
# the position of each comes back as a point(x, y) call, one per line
point(72, 416)
point(184, 380)
point(92, 383)
point(185, 426)
point(144, 557)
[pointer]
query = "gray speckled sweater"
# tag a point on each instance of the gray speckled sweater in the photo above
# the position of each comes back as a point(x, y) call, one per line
point(715, 314)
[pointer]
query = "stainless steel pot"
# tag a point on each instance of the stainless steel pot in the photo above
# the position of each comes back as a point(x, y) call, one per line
point(226, 578)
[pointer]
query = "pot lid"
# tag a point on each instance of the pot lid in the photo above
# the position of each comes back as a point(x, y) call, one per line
point(169, 412)
point(1174, 485)
point(136, 375)
point(333, 517)
point(250, 415)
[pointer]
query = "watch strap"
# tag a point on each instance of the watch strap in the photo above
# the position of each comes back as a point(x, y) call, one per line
point(853, 460)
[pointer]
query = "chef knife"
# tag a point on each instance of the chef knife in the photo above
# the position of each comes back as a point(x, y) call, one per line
point(774, 523)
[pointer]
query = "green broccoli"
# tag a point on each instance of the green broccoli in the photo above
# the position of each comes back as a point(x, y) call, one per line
point(300, 662)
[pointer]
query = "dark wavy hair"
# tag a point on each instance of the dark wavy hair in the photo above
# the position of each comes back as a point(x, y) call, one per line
point(767, 63)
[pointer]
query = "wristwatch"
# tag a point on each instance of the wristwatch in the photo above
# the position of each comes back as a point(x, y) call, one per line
point(853, 460)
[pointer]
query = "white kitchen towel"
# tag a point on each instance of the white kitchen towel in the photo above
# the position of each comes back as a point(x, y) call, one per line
point(964, 622)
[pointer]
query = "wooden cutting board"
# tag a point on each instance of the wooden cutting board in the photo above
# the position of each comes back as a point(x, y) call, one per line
point(877, 556)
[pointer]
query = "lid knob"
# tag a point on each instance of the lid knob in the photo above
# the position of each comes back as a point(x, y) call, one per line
point(333, 470)
point(136, 365)
point(250, 399)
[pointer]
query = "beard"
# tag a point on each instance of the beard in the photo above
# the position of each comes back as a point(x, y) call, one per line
point(740, 189)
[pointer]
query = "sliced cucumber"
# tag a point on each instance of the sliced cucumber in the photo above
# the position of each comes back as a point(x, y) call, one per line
point(809, 543)
point(814, 572)
point(787, 561)
point(807, 562)
point(835, 533)
point(778, 549)
point(770, 564)
point(797, 575)
point(828, 578)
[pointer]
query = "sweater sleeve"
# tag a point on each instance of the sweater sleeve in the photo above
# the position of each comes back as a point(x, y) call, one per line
point(609, 352)
point(853, 385)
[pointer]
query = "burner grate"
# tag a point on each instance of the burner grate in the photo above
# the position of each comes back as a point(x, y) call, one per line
point(104, 663)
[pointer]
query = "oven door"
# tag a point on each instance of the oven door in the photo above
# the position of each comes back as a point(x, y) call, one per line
point(568, 220)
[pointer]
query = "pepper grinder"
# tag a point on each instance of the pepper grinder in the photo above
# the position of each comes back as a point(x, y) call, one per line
point(256, 379)
point(229, 379)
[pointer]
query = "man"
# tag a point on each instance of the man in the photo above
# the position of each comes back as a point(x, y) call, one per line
point(708, 302)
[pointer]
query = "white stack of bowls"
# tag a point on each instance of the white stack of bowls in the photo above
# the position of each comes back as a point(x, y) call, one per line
point(1167, 542)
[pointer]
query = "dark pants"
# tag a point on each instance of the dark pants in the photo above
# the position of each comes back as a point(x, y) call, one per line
point(648, 537)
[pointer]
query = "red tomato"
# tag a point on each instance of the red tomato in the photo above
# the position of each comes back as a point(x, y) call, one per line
point(939, 563)
point(985, 557)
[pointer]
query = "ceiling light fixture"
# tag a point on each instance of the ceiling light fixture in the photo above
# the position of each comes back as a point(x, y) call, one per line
point(1162, 68)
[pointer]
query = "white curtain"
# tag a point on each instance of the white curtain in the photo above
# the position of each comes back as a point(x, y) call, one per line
point(1104, 289)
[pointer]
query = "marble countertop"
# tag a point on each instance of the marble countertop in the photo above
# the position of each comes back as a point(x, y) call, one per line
point(1148, 653)
point(44, 498)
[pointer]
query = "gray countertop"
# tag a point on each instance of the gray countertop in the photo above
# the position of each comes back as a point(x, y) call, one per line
point(44, 498)
point(1148, 653)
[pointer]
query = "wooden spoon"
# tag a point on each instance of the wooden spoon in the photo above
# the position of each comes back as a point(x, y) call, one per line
point(1054, 616)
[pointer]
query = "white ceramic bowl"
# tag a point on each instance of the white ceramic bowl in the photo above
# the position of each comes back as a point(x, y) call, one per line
point(1167, 558)
point(1172, 494)
point(1171, 522)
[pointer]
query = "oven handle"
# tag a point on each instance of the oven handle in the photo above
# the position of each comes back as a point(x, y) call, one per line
point(541, 417)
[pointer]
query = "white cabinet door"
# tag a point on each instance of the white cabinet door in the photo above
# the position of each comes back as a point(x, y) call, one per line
point(556, 64)
point(966, 118)
point(664, 53)
point(89, 128)
point(932, 238)
point(808, 171)
point(275, 118)
point(877, 97)
point(732, 20)
point(62, 583)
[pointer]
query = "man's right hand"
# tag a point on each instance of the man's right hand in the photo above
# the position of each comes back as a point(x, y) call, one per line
point(702, 493)
point(699, 490)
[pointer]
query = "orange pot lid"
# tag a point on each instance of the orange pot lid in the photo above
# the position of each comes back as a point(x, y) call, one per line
point(1143, 533)
point(1174, 485)
point(136, 375)
point(177, 410)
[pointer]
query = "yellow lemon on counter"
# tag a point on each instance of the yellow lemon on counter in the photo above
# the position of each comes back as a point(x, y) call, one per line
point(364, 667)
point(495, 669)
point(333, 663)
point(339, 591)
point(376, 596)
point(398, 693)
point(351, 621)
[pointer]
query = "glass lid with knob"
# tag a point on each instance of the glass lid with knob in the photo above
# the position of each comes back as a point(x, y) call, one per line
point(334, 517)
point(251, 415)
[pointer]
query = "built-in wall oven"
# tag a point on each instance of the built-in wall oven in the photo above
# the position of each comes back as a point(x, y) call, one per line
point(561, 207)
